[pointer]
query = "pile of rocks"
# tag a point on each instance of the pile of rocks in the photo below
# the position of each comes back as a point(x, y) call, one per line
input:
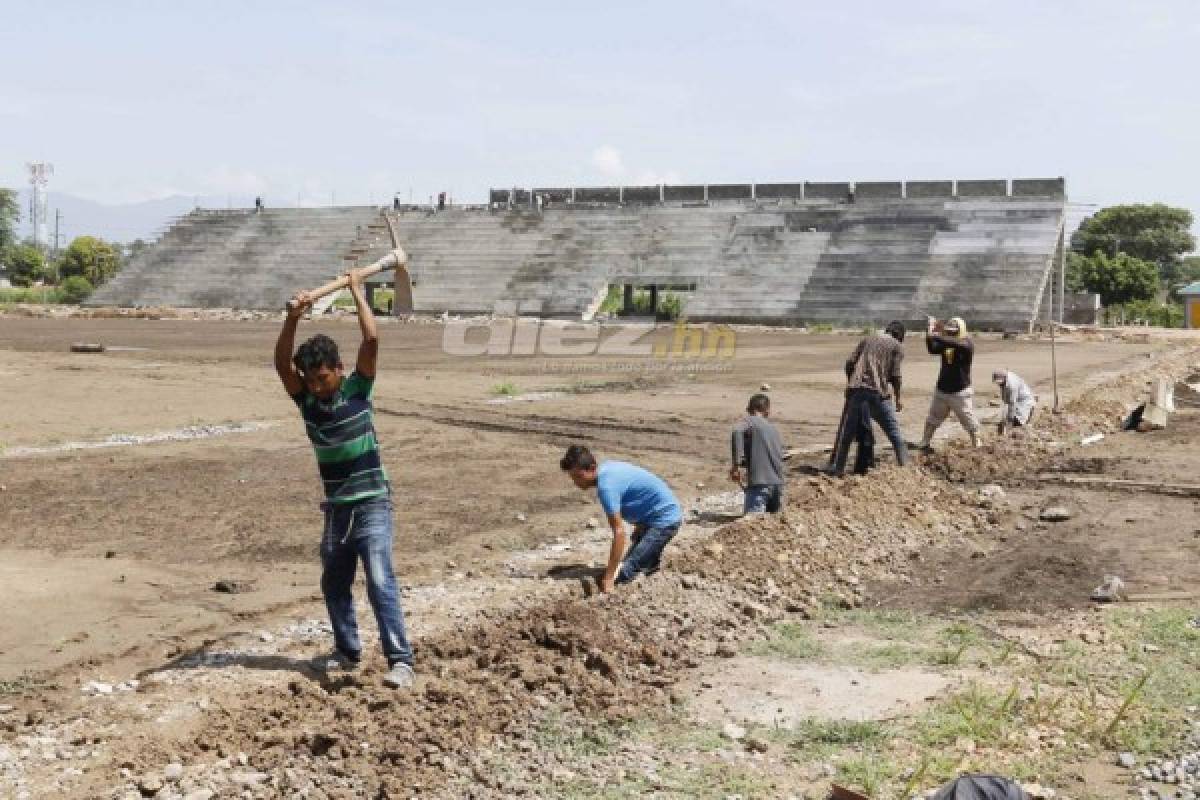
point(1176, 777)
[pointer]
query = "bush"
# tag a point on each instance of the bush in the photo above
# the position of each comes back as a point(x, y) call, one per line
point(26, 265)
point(74, 289)
point(1151, 312)
point(90, 258)
point(670, 305)
point(35, 294)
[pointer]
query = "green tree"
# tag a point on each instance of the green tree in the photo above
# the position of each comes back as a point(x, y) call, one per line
point(1117, 279)
point(26, 264)
point(10, 215)
point(91, 258)
point(1155, 232)
point(74, 289)
point(1189, 270)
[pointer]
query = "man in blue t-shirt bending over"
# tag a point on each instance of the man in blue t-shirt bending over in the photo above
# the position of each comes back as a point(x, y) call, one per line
point(627, 493)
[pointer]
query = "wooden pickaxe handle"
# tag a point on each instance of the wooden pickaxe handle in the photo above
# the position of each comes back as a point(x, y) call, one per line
point(392, 260)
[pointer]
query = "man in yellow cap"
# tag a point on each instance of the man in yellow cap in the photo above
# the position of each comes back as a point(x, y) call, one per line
point(953, 393)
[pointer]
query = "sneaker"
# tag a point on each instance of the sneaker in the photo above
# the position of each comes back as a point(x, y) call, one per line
point(400, 676)
point(336, 661)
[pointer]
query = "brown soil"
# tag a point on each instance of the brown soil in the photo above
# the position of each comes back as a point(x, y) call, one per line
point(492, 648)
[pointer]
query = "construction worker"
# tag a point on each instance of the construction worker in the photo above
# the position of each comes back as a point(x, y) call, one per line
point(756, 446)
point(1017, 398)
point(339, 418)
point(951, 342)
point(873, 383)
point(627, 493)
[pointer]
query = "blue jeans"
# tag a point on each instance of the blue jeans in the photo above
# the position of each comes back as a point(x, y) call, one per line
point(645, 554)
point(363, 531)
point(863, 405)
point(760, 499)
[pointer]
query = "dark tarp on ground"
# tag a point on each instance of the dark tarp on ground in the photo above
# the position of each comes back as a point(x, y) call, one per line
point(981, 787)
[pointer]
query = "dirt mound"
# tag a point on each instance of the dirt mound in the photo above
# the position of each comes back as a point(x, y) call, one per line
point(609, 657)
point(1042, 446)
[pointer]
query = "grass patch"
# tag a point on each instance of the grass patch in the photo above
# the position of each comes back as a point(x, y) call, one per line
point(32, 294)
point(569, 740)
point(891, 655)
point(869, 773)
point(837, 731)
point(820, 327)
point(22, 684)
point(505, 389)
point(789, 641)
point(903, 625)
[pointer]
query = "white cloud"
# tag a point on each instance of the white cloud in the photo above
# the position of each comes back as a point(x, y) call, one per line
point(607, 159)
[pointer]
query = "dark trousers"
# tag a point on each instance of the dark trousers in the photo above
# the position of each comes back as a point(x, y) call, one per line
point(863, 406)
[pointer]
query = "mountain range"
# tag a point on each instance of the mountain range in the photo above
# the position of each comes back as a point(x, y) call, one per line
point(116, 223)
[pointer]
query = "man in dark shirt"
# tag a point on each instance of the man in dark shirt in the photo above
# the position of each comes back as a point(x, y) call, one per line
point(873, 380)
point(953, 392)
point(757, 447)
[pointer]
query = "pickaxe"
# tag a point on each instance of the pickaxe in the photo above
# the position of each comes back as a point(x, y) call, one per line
point(396, 258)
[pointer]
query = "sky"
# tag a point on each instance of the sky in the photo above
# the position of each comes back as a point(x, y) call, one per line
point(353, 102)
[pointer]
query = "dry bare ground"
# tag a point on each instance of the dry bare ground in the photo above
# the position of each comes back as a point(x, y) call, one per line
point(884, 632)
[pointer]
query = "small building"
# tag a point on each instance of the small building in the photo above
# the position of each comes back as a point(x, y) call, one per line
point(1081, 308)
point(1191, 305)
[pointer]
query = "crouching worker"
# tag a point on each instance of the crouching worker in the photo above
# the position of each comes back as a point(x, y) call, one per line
point(1017, 398)
point(627, 493)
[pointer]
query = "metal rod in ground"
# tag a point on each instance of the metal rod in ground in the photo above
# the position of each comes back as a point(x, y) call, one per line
point(1054, 363)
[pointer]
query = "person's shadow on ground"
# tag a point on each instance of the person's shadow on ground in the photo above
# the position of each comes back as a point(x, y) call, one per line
point(203, 657)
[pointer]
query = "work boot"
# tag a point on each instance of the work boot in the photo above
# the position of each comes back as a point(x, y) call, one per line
point(400, 676)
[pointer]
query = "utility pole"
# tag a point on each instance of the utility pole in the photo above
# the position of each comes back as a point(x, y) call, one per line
point(57, 222)
point(39, 176)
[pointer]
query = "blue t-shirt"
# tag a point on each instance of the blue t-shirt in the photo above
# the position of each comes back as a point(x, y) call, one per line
point(639, 496)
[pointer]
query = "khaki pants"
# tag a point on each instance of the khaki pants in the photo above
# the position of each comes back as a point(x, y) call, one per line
point(961, 403)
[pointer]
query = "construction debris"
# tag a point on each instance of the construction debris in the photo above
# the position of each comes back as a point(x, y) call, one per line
point(1055, 514)
point(1110, 591)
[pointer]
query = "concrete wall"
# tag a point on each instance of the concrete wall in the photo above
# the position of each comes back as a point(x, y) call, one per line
point(730, 191)
point(923, 189)
point(838, 191)
point(1040, 187)
point(646, 195)
point(554, 195)
point(878, 190)
point(826, 191)
point(598, 194)
point(989, 188)
point(779, 191)
point(684, 194)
